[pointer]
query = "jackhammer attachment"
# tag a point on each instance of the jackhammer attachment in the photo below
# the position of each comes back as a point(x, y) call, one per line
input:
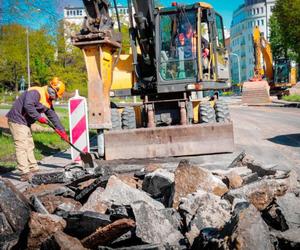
point(183, 140)
point(256, 92)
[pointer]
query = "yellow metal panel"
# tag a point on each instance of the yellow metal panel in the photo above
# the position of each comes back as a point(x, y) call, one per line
point(205, 5)
point(196, 111)
point(123, 73)
point(293, 77)
point(138, 116)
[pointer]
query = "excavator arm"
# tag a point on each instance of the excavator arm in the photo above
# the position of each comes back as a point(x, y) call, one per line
point(262, 52)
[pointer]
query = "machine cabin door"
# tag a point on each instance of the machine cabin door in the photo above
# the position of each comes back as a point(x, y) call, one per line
point(220, 53)
point(177, 49)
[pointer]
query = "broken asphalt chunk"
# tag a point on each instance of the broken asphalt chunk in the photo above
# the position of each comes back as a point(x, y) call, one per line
point(105, 235)
point(14, 213)
point(81, 224)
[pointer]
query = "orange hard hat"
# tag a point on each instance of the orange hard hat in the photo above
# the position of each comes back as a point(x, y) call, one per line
point(58, 86)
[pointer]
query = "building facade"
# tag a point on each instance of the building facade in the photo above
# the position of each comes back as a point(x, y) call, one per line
point(252, 13)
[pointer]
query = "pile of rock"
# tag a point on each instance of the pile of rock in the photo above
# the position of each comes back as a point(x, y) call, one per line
point(243, 207)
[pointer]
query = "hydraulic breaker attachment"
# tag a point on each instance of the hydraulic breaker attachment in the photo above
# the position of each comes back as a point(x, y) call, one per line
point(180, 140)
point(256, 92)
point(98, 42)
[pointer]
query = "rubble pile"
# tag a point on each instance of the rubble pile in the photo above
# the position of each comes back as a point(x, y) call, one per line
point(245, 206)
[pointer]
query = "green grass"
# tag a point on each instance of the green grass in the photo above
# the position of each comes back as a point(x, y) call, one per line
point(292, 98)
point(46, 144)
point(5, 106)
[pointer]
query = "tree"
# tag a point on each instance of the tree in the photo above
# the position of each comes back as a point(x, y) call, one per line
point(287, 14)
point(279, 48)
point(13, 55)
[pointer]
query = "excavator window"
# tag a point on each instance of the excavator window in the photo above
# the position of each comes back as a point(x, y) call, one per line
point(178, 45)
point(221, 39)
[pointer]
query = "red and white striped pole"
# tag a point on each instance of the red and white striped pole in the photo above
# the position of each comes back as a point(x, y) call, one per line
point(79, 133)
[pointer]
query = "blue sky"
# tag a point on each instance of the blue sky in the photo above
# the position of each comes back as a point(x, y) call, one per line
point(224, 7)
point(53, 9)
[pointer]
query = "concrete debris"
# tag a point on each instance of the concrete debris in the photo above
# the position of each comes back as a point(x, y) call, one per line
point(260, 193)
point(81, 224)
point(117, 212)
point(51, 202)
point(250, 178)
point(246, 206)
point(173, 217)
point(245, 230)
point(38, 205)
point(62, 241)
point(45, 189)
point(42, 227)
point(138, 247)
point(274, 217)
point(289, 206)
point(153, 227)
point(160, 185)
point(287, 240)
point(99, 182)
point(49, 177)
point(130, 180)
point(107, 234)
point(202, 210)
point(251, 231)
point(119, 193)
point(189, 178)
point(257, 167)
point(14, 213)
point(94, 202)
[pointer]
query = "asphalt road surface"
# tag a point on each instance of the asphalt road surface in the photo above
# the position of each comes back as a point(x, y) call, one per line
point(270, 134)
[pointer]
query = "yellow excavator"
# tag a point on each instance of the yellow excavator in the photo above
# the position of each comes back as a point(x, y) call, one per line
point(270, 77)
point(177, 53)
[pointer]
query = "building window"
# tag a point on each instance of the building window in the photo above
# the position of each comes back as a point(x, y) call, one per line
point(80, 13)
point(262, 22)
point(262, 10)
point(68, 13)
point(257, 11)
point(258, 22)
point(253, 11)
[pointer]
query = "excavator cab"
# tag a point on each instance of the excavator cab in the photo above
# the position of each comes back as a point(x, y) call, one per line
point(190, 47)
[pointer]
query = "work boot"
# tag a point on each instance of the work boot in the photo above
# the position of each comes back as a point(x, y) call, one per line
point(34, 169)
point(25, 177)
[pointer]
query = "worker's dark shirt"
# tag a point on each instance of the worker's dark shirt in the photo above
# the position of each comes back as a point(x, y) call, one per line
point(27, 109)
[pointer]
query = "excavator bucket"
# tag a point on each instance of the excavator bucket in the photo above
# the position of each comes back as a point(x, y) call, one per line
point(181, 140)
point(256, 92)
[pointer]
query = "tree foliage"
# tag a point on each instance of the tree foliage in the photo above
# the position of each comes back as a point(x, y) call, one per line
point(286, 28)
point(50, 56)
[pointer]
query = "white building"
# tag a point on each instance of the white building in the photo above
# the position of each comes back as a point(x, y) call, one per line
point(252, 13)
point(74, 16)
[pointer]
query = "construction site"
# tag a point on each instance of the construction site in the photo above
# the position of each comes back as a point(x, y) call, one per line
point(179, 165)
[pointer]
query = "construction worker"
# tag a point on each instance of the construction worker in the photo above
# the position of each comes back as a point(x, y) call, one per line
point(26, 110)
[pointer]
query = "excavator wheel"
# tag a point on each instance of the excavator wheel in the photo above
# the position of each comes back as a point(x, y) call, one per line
point(206, 113)
point(128, 118)
point(116, 119)
point(222, 112)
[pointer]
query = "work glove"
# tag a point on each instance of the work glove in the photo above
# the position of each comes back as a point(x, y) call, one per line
point(62, 134)
point(43, 120)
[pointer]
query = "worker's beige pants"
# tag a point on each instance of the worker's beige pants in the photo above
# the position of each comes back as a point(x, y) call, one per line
point(24, 147)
